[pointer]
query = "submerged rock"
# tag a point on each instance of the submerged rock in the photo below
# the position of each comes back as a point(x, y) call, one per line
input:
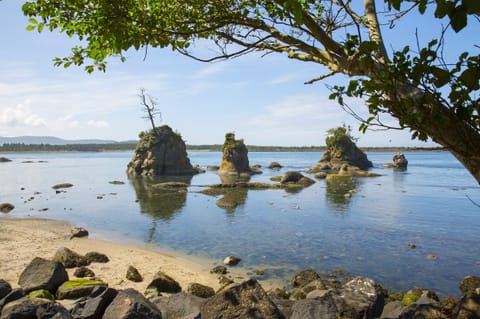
point(231, 260)
point(62, 185)
point(160, 152)
point(4, 160)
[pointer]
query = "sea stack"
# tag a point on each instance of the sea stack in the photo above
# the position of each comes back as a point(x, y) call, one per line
point(341, 154)
point(160, 152)
point(235, 157)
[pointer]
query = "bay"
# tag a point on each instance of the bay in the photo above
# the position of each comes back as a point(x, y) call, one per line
point(431, 204)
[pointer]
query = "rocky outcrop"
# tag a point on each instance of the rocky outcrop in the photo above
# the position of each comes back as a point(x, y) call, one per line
point(469, 285)
point(400, 161)
point(4, 160)
point(27, 307)
point(340, 152)
point(161, 153)
point(235, 157)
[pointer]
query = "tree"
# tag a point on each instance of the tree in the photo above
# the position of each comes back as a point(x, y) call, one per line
point(150, 109)
point(430, 96)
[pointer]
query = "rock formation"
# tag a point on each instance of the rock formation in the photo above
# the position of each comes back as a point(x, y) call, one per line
point(160, 153)
point(399, 161)
point(341, 154)
point(235, 157)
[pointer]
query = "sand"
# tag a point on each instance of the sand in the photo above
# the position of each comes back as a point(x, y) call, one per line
point(23, 239)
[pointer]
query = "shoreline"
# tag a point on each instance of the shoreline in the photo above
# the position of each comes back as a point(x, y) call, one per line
point(22, 239)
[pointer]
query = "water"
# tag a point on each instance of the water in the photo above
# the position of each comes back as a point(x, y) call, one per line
point(429, 205)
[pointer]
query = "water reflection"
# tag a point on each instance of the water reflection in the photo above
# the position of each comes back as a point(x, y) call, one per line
point(158, 201)
point(231, 197)
point(339, 190)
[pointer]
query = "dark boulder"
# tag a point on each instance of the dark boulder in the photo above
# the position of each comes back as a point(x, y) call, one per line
point(42, 274)
point(179, 305)
point(34, 308)
point(304, 277)
point(245, 300)
point(5, 288)
point(133, 274)
point(69, 258)
point(13, 295)
point(78, 232)
point(231, 260)
point(274, 166)
point(221, 270)
point(4, 160)
point(82, 272)
point(6, 207)
point(163, 283)
point(423, 311)
point(94, 257)
point(200, 290)
point(94, 306)
point(469, 284)
point(160, 152)
point(468, 307)
point(130, 304)
point(324, 308)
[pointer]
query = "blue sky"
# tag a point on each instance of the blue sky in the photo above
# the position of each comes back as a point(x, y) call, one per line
point(262, 99)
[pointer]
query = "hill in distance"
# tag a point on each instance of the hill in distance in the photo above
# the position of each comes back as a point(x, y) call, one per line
point(55, 140)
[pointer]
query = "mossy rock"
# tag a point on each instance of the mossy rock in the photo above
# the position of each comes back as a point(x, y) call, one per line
point(77, 288)
point(409, 299)
point(276, 178)
point(42, 293)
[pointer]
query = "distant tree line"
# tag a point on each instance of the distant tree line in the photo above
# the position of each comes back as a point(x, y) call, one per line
point(21, 147)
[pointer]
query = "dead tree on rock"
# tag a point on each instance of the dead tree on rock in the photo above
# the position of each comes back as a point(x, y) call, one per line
point(150, 105)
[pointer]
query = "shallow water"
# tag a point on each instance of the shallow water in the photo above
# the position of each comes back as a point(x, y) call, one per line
point(430, 205)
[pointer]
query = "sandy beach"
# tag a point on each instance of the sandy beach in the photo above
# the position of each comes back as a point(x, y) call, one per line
point(23, 239)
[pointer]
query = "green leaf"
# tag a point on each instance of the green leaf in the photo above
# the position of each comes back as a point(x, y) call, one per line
point(30, 27)
point(471, 78)
point(472, 6)
point(442, 76)
point(32, 21)
point(458, 18)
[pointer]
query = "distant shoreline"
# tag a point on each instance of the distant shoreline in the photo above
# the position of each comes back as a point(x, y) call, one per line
point(49, 148)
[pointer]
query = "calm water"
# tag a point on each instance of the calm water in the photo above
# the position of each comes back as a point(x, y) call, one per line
point(279, 231)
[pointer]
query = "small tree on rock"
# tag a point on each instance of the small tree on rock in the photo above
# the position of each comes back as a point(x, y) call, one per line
point(150, 105)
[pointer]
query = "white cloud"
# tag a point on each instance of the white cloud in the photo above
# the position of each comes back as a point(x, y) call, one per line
point(97, 124)
point(211, 69)
point(20, 115)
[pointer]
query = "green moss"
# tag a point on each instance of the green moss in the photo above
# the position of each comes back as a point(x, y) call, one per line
point(82, 282)
point(42, 293)
point(231, 142)
point(409, 298)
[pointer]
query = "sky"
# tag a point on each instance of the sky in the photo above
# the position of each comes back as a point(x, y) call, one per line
point(261, 99)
